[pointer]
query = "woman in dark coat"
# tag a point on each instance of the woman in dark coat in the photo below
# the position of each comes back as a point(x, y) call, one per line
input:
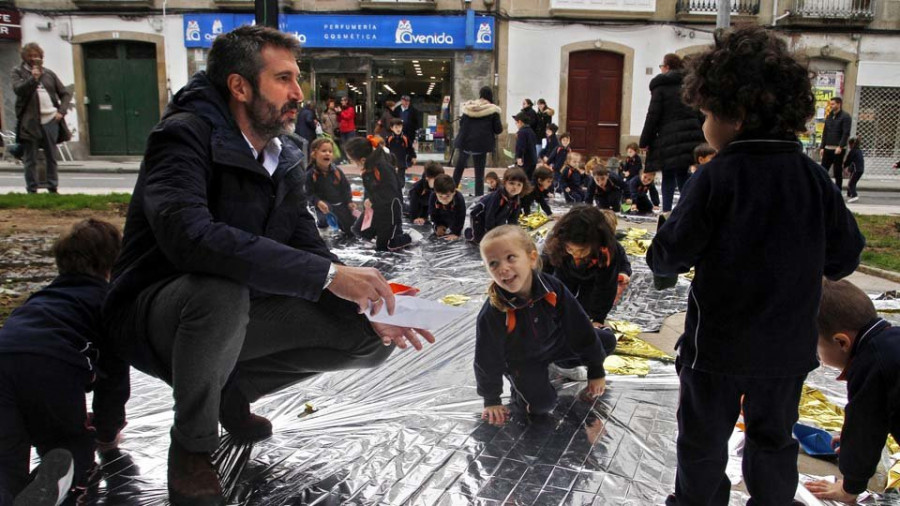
point(479, 126)
point(672, 130)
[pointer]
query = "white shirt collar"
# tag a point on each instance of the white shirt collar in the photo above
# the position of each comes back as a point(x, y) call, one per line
point(271, 151)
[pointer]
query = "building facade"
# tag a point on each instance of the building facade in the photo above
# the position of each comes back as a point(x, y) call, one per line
point(591, 60)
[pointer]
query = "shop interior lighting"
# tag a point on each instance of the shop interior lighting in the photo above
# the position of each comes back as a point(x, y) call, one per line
point(390, 89)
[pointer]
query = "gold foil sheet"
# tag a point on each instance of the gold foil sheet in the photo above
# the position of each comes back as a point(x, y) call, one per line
point(455, 299)
point(636, 233)
point(626, 366)
point(533, 220)
point(636, 247)
point(818, 411)
point(631, 345)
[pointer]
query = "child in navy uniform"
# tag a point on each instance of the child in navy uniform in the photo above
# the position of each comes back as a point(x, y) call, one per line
point(605, 188)
point(703, 153)
point(529, 322)
point(760, 251)
point(631, 167)
point(383, 195)
point(446, 208)
point(540, 193)
point(572, 179)
point(866, 349)
point(526, 140)
point(492, 181)
point(643, 195)
point(328, 187)
point(500, 207)
point(52, 351)
point(855, 165)
point(402, 148)
point(421, 191)
point(557, 159)
point(583, 253)
point(551, 145)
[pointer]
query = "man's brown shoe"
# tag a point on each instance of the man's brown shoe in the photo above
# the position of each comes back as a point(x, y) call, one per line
point(236, 418)
point(193, 480)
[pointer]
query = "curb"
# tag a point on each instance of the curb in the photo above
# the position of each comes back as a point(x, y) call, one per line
point(81, 170)
point(881, 273)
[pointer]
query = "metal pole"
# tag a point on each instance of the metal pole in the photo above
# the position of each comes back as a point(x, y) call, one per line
point(723, 18)
point(267, 13)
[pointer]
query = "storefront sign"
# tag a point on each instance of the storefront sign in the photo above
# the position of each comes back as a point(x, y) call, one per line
point(351, 31)
point(10, 28)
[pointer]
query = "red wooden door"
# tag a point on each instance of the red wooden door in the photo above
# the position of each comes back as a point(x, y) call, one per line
point(594, 106)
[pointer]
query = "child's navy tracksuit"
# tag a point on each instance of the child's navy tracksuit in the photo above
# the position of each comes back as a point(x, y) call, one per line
point(419, 195)
point(539, 197)
point(873, 407)
point(402, 148)
point(750, 332)
point(452, 215)
point(855, 164)
point(572, 183)
point(608, 196)
point(550, 148)
point(494, 209)
point(332, 187)
point(525, 142)
point(594, 282)
point(557, 160)
point(631, 167)
point(383, 191)
point(521, 342)
point(51, 353)
point(643, 196)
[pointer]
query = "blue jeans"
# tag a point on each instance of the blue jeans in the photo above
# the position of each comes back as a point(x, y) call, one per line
point(671, 178)
point(29, 158)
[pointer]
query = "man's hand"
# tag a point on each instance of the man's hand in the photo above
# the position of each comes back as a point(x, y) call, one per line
point(821, 153)
point(367, 204)
point(834, 491)
point(323, 207)
point(596, 387)
point(412, 162)
point(351, 206)
point(837, 150)
point(623, 282)
point(364, 286)
point(36, 72)
point(419, 221)
point(400, 335)
point(495, 415)
point(57, 117)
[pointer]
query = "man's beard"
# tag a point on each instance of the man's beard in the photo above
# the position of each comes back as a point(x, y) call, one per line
point(266, 119)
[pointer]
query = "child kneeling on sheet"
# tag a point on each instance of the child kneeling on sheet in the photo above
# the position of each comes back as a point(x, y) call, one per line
point(501, 207)
point(447, 208)
point(583, 253)
point(51, 352)
point(383, 195)
point(643, 195)
point(866, 349)
point(420, 193)
point(328, 187)
point(530, 321)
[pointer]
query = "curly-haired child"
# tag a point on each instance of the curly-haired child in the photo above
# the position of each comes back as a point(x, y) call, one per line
point(530, 321)
point(760, 241)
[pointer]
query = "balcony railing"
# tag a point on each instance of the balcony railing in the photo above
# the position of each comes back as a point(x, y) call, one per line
point(711, 7)
point(624, 6)
point(836, 9)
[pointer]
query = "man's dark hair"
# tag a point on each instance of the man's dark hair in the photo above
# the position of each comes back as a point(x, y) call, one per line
point(839, 100)
point(673, 61)
point(394, 122)
point(432, 169)
point(702, 151)
point(90, 247)
point(750, 76)
point(240, 52)
point(444, 183)
point(844, 308)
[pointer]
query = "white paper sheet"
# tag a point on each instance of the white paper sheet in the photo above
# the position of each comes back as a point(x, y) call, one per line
point(418, 313)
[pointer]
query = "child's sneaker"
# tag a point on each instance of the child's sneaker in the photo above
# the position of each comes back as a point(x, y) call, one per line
point(578, 373)
point(52, 482)
point(852, 199)
point(400, 242)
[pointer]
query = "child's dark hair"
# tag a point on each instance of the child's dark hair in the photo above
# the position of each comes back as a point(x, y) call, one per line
point(844, 308)
point(702, 151)
point(542, 173)
point(565, 135)
point(432, 169)
point(444, 183)
point(394, 122)
point(492, 175)
point(371, 148)
point(597, 167)
point(508, 233)
point(553, 127)
point(517, 174)
point(314, 146)
point(853, 142)
point(634, 146)
point(90, 247)
point(750, 76)
point(583, 225)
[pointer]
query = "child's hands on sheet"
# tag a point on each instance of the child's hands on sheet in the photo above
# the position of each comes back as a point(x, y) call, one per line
point(834, 491)
point(596, 387)
point(495, 415)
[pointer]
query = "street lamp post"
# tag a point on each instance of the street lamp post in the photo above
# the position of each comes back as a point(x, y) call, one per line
point(267, 13)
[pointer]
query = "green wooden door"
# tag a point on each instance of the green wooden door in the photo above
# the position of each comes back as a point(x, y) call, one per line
point(122, 95)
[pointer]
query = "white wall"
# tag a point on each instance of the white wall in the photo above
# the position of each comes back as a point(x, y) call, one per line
point(535, 59)
point(58, 50)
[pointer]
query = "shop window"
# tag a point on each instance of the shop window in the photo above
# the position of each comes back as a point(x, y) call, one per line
point(878, 129)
